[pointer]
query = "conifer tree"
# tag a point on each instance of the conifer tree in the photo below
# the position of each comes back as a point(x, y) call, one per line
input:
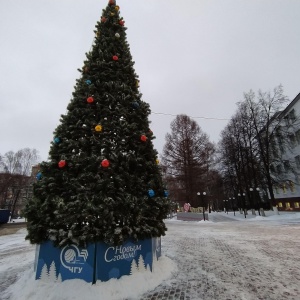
point(102, 181)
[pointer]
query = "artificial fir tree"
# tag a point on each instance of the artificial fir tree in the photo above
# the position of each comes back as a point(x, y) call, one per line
point(102, 181)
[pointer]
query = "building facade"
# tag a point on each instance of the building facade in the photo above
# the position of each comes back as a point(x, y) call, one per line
point(285, 168)
point(15, 190)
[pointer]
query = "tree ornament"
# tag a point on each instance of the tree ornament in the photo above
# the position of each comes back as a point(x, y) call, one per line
point(105, 163)
point(115, 57)
point(85, 69)
point(117, 35)
point(88, 82)
point(143, 138)
point(90, 100)
point(112, 14)
point(103, 19)
point(151, 193)
point(111, 2)
point(56, 140)
point(157, 161)
point(62, 163)
point(137, 83)
point(166, 193)
point(117, 7)
point(122, 22)
point(38, 176)
point(135, 105)
point(98, 128)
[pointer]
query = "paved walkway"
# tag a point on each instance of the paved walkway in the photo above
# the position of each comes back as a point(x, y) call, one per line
point(220, 218)
point(231, 261)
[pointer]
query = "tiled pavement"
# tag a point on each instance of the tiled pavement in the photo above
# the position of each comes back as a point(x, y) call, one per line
point(214, 267)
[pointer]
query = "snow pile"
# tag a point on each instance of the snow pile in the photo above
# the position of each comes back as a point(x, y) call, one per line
point(26, 287)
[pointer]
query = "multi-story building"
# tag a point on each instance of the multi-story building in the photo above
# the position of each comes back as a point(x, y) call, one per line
point(15, 190)
point(286, 158)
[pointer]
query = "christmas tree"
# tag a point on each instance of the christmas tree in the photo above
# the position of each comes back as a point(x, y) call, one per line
point(102, 181)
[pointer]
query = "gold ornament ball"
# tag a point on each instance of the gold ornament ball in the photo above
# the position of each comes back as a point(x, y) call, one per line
point(98, 128)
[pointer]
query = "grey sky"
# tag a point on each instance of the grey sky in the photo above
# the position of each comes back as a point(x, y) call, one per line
point(196, 57)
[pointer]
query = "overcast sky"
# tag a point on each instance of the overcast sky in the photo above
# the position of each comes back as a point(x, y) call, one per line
point(194, 57)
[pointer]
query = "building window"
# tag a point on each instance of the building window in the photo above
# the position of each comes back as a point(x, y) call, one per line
point(279, 169)
point(280, 204)
point(286, 165)
point(297, 160)
point(287, 205)
point(298, 136)
point(292, 186)
point(296, 204)
point(283, 188)
point(292, 140)
point(292, 115)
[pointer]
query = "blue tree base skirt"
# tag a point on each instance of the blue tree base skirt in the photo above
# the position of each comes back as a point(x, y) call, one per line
point(98, 261)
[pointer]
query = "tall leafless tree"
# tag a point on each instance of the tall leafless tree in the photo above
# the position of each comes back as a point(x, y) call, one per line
point(187, 159)
point(19, 162)
point(249, 146)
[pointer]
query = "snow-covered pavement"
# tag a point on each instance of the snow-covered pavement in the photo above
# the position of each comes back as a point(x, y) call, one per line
point(248, 259)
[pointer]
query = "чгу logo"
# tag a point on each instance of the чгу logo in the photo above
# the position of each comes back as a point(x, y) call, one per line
point(71, 258)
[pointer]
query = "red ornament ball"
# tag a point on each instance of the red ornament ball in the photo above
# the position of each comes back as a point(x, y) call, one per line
point(62, 163)
point(115, 57)
point(143, 138)
point(103, 19)
point(105, 163)
point(90, 100)
point(121, 22)
point(111, 2)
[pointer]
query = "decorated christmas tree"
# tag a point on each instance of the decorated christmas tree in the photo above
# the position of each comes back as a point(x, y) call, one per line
point(102, 181)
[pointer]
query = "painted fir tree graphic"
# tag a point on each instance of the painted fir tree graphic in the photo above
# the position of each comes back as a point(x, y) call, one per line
point(49, 275)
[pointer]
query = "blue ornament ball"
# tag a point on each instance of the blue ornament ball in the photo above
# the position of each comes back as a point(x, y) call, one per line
point(135, 105)
point(56, 140)
point(166, 193)
point(38, 176)
point(151, 193)
point(88, 82)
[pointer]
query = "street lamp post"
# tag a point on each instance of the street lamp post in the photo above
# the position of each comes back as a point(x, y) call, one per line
point(258, 202)
point(203, 195)
point(233, 205)
point(251, 201)
point(260, 209)
point(244, 204)
point(203, 202)
point(239, 203)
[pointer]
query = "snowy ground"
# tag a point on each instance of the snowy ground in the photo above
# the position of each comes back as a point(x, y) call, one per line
point(220, 259)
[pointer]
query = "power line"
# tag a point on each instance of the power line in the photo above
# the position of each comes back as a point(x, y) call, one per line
point(206, 118)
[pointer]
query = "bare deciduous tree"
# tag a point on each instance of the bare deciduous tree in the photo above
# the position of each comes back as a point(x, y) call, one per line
point(187, 158)
point(19, 162)
point(249, 146)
